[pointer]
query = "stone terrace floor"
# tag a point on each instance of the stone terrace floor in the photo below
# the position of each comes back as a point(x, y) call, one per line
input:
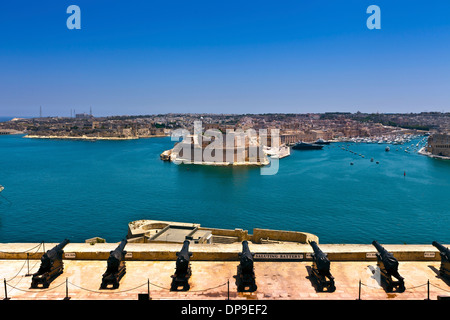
point(275, 281)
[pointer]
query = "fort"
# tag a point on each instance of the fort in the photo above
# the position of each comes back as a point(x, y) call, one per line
point(438, 145)
point(282, 262)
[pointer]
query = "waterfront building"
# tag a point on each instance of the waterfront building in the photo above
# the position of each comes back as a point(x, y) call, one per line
point(439, 144)
point(235, 149)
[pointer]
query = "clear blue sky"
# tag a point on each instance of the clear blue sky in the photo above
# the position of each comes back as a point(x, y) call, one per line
point(146, 57)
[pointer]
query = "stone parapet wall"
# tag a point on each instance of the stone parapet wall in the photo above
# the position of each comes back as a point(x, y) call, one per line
point(277, 235)
point(219, 252)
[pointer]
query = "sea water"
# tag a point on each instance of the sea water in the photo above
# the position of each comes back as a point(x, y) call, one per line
point(56, 189)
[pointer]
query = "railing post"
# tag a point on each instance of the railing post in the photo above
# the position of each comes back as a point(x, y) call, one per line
point(6, 291)
point(428, 289)
point(28, 265)
point(148, 289)
point(228, 289)
point(67, 290)
point(359, 291)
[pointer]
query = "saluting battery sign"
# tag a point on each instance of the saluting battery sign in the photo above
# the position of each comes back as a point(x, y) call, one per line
point(279, 256)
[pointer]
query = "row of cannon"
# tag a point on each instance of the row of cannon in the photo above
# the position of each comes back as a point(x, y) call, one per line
point(52, 266)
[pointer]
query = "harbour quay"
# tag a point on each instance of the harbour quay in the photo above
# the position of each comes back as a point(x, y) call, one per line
point(282, 271)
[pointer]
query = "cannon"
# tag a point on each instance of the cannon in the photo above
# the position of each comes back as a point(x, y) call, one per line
point(116, 268)
point(182, 269)
point(444, 270)
point(321, 269)
point(389, 268)
point(51, 266)
point(245, 270)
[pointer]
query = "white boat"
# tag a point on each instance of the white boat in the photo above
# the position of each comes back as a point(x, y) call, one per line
point(2, 188)
point(277, 153)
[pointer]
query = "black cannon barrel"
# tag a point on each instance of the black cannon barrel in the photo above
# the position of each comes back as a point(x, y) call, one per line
point(62, 244)
point(443, 250)
point(57, 251)
point(183, 258)
point(246, 257)
point(122, 245)
point(390, 263)
point(379, 248)
point(118, 253)
point(245, 246)
point(321, 259)
point(246, 253)
point(316, 248)
point(184, 253)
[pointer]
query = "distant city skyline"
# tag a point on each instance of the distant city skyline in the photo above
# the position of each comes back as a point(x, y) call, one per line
point(238, 57)
point(215, 113)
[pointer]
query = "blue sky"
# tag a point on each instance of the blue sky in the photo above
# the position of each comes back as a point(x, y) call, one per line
point(147, 57)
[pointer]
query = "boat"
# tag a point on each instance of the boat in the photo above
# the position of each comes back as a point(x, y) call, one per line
point(2, 188)
point(321, 141)
point(277, 153)
point(307, 146)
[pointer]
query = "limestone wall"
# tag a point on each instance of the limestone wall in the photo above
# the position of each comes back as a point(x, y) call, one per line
point(277, 235)
point(239, 233)
point(219, 252)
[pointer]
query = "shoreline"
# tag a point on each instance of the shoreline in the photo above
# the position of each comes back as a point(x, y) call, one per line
point(89, 138)
point(434, 156)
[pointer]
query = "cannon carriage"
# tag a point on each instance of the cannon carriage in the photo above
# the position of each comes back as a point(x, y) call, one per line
point(389, 268)
point(51, 266)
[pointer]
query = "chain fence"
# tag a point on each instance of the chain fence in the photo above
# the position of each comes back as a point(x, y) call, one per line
point(105, 291)
point(37, 246)
point(148, 284)
point(428, 284)
point(7, 283)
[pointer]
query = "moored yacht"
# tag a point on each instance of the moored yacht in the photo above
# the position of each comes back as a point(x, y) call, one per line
point(321, 141)
point(307, 146)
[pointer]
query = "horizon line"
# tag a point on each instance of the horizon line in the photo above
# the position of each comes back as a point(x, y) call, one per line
point(235, 114)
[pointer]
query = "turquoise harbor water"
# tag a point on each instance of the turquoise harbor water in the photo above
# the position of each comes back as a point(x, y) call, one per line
point(78, 189)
